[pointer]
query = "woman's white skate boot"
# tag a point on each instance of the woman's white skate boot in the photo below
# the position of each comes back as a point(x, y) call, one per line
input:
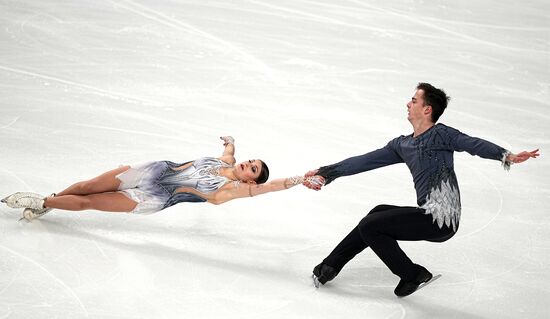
point(30, 214)
point(25, 200)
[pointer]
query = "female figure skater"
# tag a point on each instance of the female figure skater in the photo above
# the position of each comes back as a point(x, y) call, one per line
point(154, 186)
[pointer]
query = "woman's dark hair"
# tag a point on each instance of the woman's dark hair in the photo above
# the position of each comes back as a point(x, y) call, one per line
point(434, 97)
point(264, 174)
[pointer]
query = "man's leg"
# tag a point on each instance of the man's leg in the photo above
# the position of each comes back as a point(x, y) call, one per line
point(345, 251)
point(381, 232)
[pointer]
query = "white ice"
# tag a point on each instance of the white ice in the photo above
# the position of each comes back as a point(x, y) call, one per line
point(88, 85)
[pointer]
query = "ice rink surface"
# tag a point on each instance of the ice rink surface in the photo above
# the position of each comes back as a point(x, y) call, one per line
point(88, 85)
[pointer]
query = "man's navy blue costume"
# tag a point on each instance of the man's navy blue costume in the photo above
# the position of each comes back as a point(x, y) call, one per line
point(429, 157)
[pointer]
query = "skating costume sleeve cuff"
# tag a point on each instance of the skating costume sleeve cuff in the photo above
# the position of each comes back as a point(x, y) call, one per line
point(506, 163)
point(329, 173)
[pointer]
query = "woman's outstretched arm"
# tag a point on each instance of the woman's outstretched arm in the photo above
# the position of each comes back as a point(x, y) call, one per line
point(251, 189)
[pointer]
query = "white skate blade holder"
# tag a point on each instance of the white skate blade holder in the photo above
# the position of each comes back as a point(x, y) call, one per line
point(316, 282)
point(28, 215)
point(434, 278)
point(31, 214)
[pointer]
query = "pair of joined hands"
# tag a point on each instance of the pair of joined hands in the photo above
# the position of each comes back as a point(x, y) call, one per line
point(313, 181)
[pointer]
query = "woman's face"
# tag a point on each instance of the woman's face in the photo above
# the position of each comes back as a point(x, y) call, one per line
point(248, 170)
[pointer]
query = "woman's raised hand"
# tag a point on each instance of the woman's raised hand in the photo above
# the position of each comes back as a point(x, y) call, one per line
point(227, 140)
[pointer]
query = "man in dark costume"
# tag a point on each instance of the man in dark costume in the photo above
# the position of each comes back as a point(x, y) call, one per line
point(428, 153)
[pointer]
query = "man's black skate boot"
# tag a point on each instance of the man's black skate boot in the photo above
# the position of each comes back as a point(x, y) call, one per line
point(324, 273)
point(405, 288)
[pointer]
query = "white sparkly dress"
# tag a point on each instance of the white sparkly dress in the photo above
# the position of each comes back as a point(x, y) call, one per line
point(153, 185)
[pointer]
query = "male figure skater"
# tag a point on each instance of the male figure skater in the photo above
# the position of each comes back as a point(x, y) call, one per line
point(428, 153)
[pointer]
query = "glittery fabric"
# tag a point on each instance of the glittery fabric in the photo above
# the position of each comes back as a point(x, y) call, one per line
point(443, 199)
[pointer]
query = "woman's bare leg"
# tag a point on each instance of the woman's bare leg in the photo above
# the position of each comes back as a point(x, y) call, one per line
point(109, 202)
point(106, 182)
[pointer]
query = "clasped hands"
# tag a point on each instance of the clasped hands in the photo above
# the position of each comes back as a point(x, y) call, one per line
point(313, 181)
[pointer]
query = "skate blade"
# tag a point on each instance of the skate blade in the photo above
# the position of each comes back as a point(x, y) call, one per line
point(27, 215)
point(434, 278)
point(316, 282)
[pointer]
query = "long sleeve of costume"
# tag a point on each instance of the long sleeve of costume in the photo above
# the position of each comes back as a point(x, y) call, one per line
point(379, 158)
point(477, 146)
point(429, 157)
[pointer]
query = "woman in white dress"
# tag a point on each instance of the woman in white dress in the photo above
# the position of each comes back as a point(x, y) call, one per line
point(154, 186)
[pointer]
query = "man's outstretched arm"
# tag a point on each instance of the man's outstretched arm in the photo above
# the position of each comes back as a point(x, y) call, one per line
point(489, 150)
point(354, 165)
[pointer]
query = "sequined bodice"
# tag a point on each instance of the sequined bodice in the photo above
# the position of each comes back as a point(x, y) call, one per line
point(203, 175)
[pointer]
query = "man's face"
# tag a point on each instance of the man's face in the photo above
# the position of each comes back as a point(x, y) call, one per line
point(416, 108)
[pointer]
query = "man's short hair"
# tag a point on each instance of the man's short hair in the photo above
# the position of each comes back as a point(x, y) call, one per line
point(434, 97)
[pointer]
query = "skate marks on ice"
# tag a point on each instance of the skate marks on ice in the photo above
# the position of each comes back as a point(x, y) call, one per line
point(27, 268)
point(10, 123)
point(18, 179)
point(495, 192)
point(82, 86)
point(164, 19)
point(446, 26)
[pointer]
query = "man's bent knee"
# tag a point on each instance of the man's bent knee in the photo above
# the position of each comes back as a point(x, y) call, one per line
point(365, 227)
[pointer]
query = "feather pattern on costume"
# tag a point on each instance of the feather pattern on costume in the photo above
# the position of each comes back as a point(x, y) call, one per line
point(443, 200)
